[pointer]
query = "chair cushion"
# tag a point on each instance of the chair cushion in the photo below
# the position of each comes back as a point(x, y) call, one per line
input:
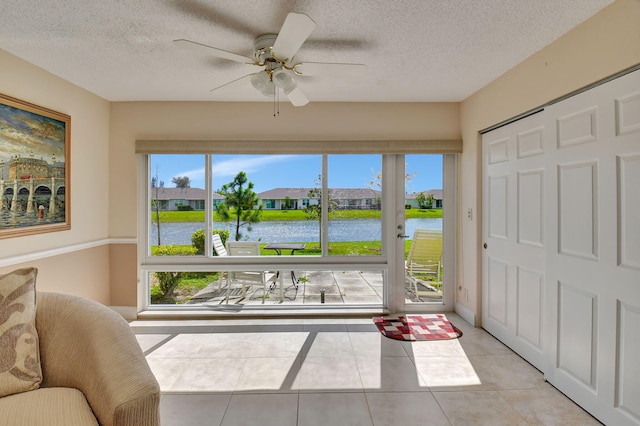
point(20, 369)
point(47, 406)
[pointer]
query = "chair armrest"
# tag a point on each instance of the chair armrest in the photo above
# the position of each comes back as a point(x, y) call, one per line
point(87, 346)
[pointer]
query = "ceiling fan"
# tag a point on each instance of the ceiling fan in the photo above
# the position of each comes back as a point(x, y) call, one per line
point(275, 54)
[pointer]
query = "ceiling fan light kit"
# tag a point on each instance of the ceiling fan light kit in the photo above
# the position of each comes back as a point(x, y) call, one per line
point(275, 54)
point(262, 82)
point(281, 78)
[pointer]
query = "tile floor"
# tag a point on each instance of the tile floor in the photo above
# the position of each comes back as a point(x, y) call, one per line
point(342, 372)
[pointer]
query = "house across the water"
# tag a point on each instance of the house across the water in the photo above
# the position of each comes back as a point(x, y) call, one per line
point(287, 198)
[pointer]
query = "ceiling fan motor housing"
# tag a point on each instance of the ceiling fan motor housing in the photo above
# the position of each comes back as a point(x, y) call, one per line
point(275, 67)
point(265, 40)
point(263, 46)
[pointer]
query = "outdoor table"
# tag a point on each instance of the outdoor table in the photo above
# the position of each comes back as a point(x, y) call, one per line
point(278, 248)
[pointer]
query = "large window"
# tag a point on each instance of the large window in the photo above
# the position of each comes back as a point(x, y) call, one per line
point(268, 198)
point(175, 186)
point(354, 197)
point(280, 230)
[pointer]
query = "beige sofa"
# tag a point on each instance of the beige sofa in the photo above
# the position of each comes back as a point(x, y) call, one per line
point(94, 371)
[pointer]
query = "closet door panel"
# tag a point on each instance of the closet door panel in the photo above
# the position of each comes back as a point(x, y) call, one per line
point(513, 236)
point(593, 287)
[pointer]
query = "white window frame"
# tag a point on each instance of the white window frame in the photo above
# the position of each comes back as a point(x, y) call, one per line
point(392, 266)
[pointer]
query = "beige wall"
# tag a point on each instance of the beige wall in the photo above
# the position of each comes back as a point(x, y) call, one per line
point(82, 272)
point(607, 43)
point(123, 267)
point(89, 183)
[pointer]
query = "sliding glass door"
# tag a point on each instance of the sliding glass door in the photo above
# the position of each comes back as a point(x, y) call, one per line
point(423, 241)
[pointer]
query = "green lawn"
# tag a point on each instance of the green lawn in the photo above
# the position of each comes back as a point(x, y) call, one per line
point(198, 215)
point(313, 249)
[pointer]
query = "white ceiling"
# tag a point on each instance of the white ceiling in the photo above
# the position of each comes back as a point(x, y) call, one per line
point(415, 50)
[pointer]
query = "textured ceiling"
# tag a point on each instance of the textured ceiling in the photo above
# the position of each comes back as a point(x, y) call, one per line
point(415, 50)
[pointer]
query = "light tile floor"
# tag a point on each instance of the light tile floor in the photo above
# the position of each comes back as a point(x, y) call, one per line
point(342, 372)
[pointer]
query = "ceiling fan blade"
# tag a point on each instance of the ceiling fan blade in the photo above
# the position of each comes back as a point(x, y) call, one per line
point(297, 97)
point(295, 30)
point(203, 48)
point(234, 82)
point(330, 69)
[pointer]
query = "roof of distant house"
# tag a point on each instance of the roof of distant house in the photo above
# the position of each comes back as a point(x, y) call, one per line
point(437, 194)
point(282, 193)
point(181, 194)
point(335, 193)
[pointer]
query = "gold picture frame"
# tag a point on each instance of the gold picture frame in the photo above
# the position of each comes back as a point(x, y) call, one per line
point(35, 169)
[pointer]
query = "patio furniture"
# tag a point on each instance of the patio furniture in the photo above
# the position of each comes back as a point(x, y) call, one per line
point(423, 266)
point(246, 278)
point(278, 247)
point(219, 249)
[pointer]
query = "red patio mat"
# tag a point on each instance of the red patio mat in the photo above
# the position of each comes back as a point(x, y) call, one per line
point(417, 327)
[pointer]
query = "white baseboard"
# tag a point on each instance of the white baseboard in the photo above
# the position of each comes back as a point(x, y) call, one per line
point(466, 314)
point(130, 313)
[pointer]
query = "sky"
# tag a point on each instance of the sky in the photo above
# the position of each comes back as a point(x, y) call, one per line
point(25, 134)
point(296, 171)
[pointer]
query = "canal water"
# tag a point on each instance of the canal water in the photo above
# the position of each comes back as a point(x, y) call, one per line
point(303, 231)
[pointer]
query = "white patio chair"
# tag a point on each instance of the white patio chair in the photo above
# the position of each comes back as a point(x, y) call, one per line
point(219, 249)
point(424, 262)
point(246, 278)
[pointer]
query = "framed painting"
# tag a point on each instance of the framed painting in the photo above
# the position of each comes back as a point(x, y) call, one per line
point(34, 169)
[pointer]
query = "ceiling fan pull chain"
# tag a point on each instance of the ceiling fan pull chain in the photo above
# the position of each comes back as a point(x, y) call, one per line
point(276, 92)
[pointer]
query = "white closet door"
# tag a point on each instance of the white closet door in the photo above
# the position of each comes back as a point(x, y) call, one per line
point(513, 226)
point(592, 333)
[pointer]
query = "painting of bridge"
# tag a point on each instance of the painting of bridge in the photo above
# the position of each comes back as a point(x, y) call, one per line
point(34, 169)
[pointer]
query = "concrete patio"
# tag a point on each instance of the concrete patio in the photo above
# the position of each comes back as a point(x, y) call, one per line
point(339, 288)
